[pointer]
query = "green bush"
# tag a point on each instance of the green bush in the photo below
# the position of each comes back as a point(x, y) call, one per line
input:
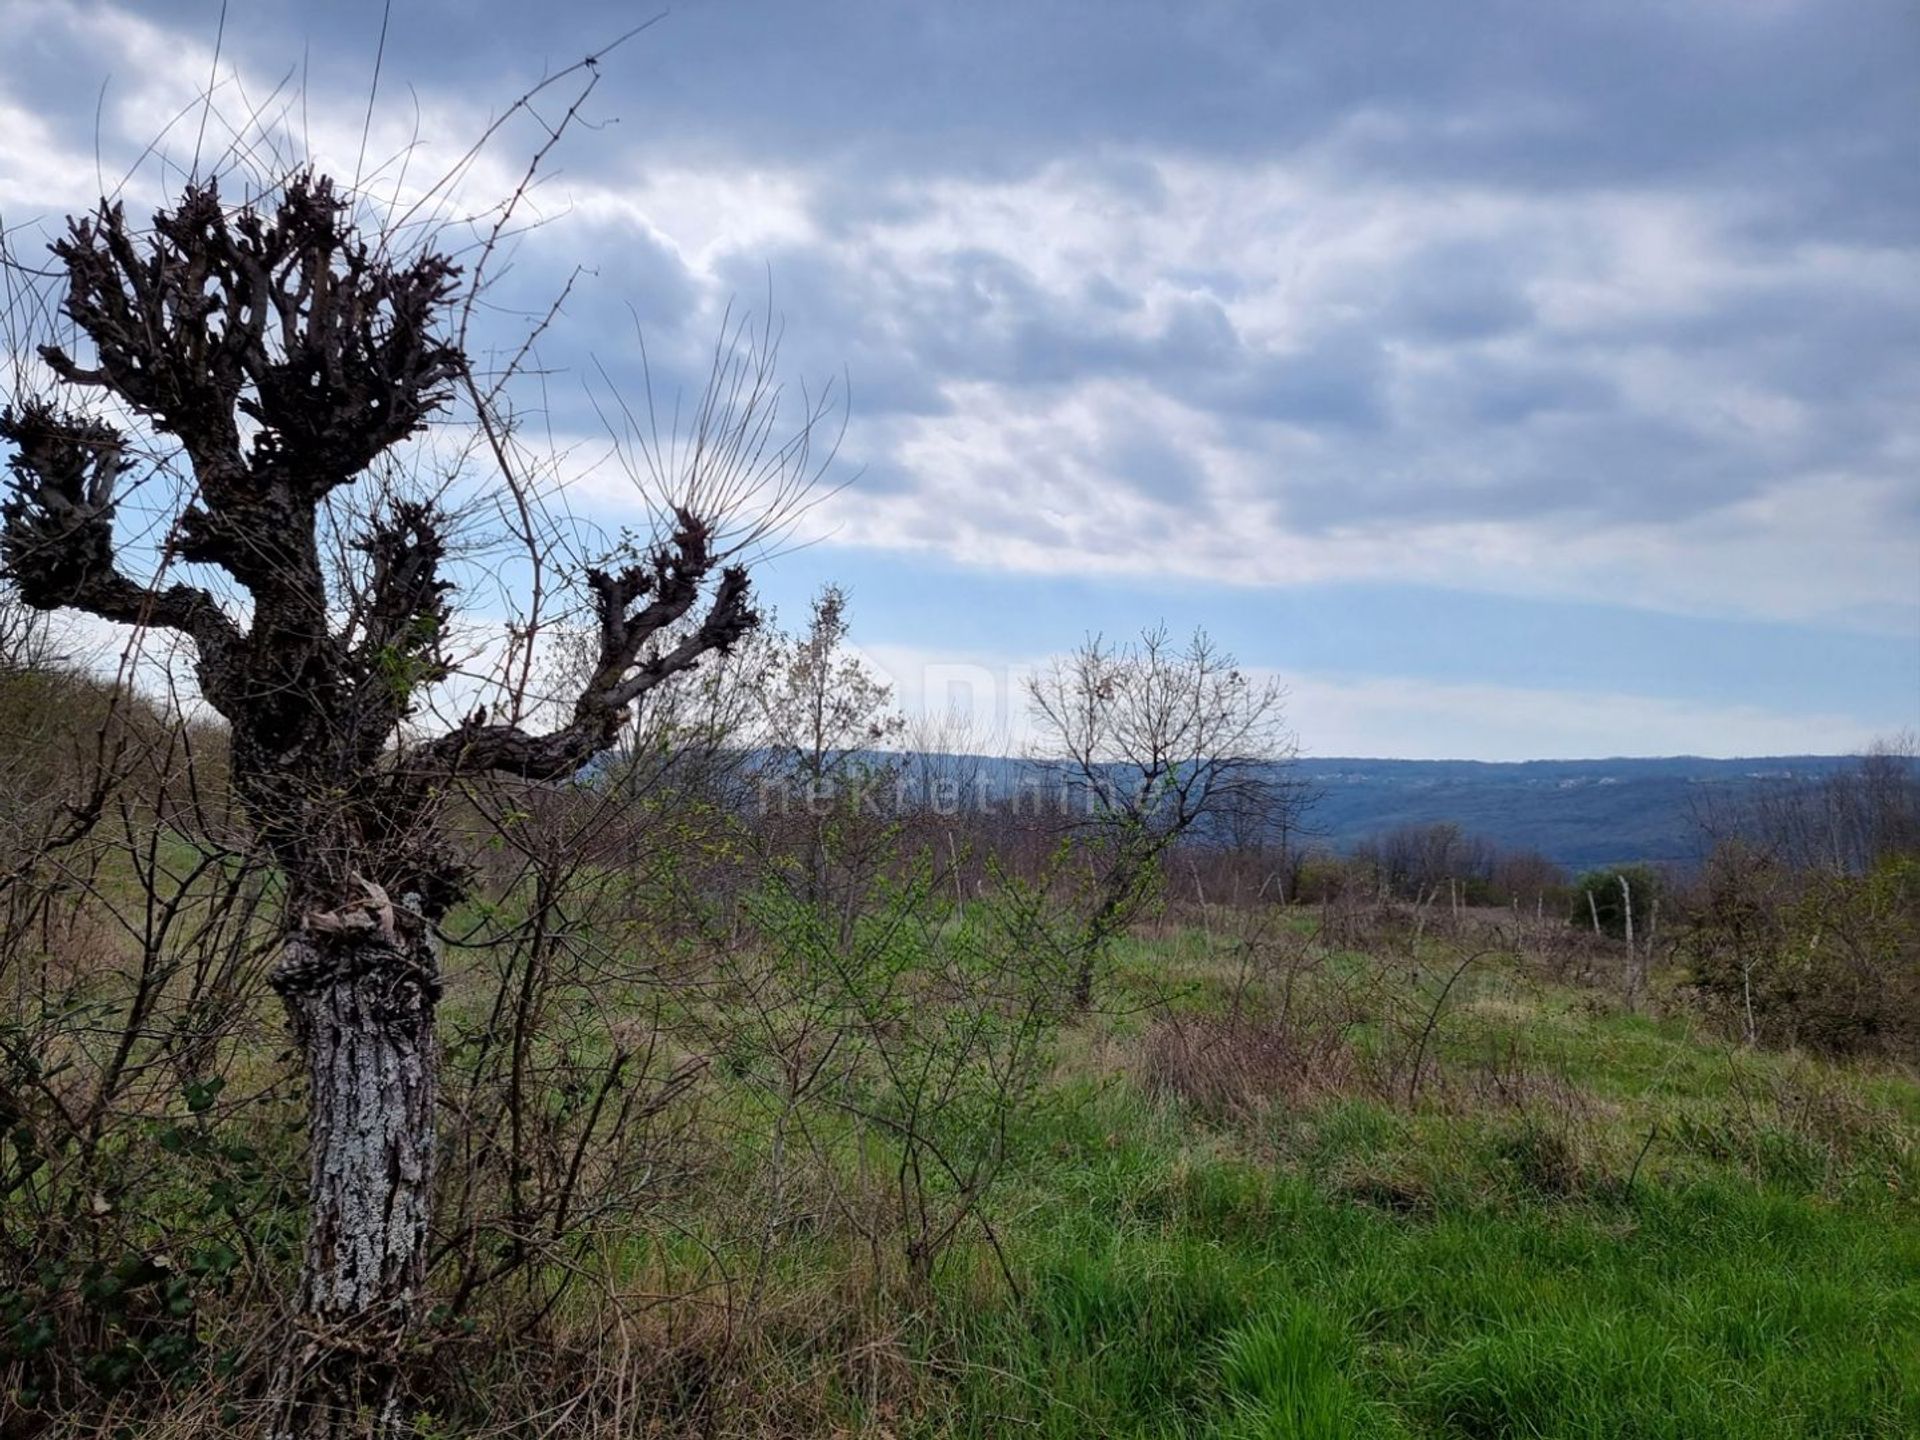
point(1817, 958)
point(1598, 893)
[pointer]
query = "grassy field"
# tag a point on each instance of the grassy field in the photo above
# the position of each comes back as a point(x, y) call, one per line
point(1576, 1222)
point(1418, 1188)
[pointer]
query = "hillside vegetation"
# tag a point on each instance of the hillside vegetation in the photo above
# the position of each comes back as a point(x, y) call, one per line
point(1321, 1171)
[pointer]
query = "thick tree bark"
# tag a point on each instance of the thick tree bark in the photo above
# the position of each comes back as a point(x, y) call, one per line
point(363, 1011)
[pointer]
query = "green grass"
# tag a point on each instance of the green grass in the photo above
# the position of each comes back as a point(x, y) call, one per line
point(1173, 1289)
point(1585, 1223)
point(1350, 1266)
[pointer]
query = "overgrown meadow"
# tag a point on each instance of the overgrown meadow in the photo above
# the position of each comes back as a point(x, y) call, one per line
point(797, 1132)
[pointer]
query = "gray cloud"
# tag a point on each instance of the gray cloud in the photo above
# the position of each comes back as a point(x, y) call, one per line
point(1517, 92)
point(1528, 265)
point(1460, 292)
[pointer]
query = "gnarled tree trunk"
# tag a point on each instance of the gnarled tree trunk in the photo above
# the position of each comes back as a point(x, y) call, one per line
point(363, 1010)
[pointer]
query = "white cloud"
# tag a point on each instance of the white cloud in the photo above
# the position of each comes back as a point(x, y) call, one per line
point(706, 215)
point(1407, 718)
point(1423, 720)
point(1025, 482)
point(1685, 475)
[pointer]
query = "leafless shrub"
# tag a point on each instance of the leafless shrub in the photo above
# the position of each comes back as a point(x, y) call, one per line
point(1233, 1067)
point(1151, 739)
point(143, 1178)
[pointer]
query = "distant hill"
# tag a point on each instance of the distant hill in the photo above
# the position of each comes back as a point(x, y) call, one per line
point(1580, 813)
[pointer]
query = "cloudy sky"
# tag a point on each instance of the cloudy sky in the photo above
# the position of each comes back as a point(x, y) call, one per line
point(1515, 379)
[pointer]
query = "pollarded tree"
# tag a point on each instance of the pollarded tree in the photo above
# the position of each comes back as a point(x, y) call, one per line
point(279, 352)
